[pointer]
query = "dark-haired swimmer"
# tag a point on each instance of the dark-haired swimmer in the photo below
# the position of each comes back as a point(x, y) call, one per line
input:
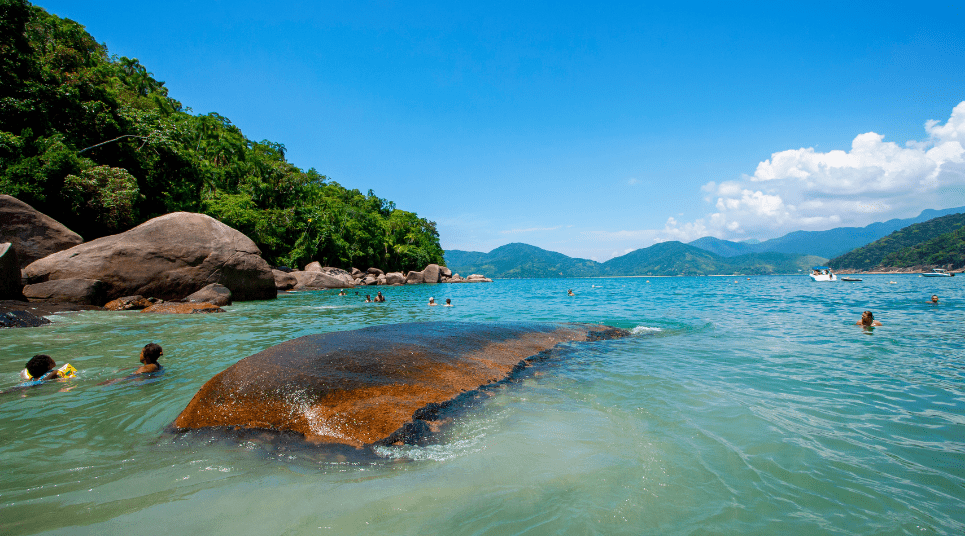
point(867, 320)
point(149, 355)
point(934, 298)
point(448, 302)
point(368, 299)
point(41, 367)
point(149, 365)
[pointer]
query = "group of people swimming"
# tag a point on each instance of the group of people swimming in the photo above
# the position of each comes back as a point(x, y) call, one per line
point(42, 368)
point(379, 298)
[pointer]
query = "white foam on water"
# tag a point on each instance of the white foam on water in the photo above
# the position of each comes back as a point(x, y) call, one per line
point(644, 329)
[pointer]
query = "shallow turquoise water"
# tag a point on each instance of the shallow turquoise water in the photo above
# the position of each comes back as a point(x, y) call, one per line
point(738, 406)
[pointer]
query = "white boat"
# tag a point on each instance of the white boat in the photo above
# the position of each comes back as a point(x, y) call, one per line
point(937, 272)
point(822, 273)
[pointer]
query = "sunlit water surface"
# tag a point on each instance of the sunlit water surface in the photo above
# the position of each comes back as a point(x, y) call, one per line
point(739, 406)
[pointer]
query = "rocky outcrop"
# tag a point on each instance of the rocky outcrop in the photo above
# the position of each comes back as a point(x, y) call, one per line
point(181, 308)
point(10, 283)
point(214, 293)
point(373, 385)
point(284, 280)
point(79, 291)
point(130, 303)
point(375, 271)
point(34, 235)
point(477, 278)
point(413, 278)
point(394, 278)
point(21, 319)
point(313, 266)
point(167, 257)
point(318, 281)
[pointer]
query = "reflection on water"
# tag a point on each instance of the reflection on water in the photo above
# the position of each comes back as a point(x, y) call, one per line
point(737, 406)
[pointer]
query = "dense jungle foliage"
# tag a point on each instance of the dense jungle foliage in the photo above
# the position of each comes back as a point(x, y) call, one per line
point(96, 142)
point(936, 242)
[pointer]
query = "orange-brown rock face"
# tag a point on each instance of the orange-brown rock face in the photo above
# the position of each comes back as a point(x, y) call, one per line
point(358, 387)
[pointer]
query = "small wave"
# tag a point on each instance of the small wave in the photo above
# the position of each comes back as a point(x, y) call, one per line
point(644, 329)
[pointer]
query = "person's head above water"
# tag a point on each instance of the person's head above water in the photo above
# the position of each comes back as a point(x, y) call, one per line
point(150, 353)
point(432, 301)
point(40, 364)
point(934, 298)
point(868, 319)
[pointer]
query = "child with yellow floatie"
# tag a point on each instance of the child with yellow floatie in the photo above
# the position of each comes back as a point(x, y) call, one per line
point(42, 367)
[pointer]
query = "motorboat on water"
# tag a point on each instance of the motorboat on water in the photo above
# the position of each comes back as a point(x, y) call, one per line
point(937, 272)
point(822, 273)
point(851, 279)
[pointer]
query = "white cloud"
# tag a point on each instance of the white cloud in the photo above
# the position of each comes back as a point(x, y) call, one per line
point(632, 182)
point(807, 189)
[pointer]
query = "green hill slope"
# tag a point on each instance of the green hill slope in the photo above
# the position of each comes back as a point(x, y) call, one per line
point(875, 253)
point(667, 258)
point(97, 142)
point(946, 251)
point(516, 260)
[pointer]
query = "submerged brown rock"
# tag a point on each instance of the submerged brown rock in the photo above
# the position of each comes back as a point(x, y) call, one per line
point(359, 387)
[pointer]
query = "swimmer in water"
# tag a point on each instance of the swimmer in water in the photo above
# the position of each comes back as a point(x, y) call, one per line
point(368, 299)
point(934, 298)
point(867, 320)
point(448, 302)
point(379, 297)
point(570, 293)
point(41, 367)
point(341, 293)
point(149, 355)
point(432, 302)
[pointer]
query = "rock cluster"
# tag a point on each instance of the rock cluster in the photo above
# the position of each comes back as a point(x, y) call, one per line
point(179, 257)
point(316, 277)
point(168, 257)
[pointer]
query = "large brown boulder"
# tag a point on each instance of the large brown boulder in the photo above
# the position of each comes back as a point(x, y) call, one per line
point(394, 278)
point(167, 257)
point(177, 308)
point(366, 386)
point(79, 291)
point(214, 293)
point(313, 266)
point(33, 234)
point(413, 278)
point(10, 283)
point(284, 280)
point(318, 280)
point(431, 274)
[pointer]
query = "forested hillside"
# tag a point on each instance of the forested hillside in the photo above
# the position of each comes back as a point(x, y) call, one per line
point(96, 142)
point(666, 258)
point(906, 247)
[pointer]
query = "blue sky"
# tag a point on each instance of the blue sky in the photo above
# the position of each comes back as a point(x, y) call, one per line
point(591, 130)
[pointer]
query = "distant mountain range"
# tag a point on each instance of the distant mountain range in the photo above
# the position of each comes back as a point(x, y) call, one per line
point(936, 242)
point(828, 244)
point(791, 253)
point(666, 258)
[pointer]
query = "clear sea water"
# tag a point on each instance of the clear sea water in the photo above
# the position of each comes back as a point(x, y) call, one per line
point(739, 406)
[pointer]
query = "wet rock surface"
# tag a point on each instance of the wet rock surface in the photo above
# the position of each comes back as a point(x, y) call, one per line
point(377, 385)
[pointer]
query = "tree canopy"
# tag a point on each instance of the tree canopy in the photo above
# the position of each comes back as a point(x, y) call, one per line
point(96, 141)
